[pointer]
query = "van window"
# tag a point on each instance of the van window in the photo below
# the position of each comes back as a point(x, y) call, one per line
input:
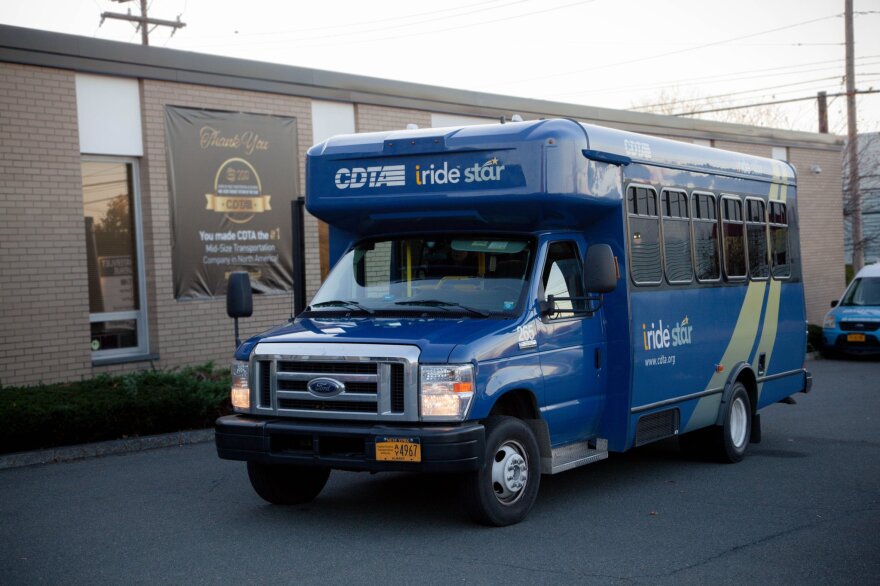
point(865, 291)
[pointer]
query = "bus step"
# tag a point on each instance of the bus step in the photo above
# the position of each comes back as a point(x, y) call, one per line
point(574, 455)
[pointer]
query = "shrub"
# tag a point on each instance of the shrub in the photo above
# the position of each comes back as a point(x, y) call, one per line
point(814, 337)
point(112, 407)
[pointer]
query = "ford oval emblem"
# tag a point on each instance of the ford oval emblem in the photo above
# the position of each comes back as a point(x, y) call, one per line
point(325, 387)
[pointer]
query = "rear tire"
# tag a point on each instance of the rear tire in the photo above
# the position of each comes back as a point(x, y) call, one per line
point(727, 442)
point(287, 485)
point(503, 491)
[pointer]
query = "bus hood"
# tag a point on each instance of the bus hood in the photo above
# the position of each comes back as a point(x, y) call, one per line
point(436, 337)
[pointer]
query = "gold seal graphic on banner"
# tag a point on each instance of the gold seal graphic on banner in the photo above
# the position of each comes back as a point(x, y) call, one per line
point(239, 193)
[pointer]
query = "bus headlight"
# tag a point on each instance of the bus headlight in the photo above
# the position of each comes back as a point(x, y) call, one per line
point(445, 392)
point(241, 392)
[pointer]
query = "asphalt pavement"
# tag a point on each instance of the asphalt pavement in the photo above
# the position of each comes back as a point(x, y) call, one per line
point(802, 508)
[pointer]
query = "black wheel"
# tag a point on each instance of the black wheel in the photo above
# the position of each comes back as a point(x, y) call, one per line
point(503, 491)
point(726, 442)
point(287, 485)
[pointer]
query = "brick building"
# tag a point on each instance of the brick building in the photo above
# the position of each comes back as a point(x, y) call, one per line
point(73, 109)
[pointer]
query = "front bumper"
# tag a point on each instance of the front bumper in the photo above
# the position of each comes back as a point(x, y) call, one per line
point(346, 446)
point(840, 341)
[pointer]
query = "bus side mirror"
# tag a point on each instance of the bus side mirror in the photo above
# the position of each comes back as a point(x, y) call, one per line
point(834, 303)
point(239, 299)
point(600, 269)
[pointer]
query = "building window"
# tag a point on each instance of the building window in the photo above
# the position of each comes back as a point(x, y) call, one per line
point(779, 253)
point(706, 247)
point(114, 248)
point(644, 236)
point(734, 238)
point(756, 232)
point(676, 237)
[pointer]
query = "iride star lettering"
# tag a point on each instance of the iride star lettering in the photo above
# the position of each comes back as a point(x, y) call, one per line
point(679, 335)
point(488, 171)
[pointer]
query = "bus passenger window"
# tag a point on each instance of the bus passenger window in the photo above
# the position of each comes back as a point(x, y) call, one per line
point(756, 232)
point(706, 247)
point(676, 237)
point(779, 257)
point(734, 242)
point(644, 236)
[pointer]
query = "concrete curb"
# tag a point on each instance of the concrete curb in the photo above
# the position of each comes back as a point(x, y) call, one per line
point(120, 446)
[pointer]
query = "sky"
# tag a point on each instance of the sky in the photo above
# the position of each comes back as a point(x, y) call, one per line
point(685, 55)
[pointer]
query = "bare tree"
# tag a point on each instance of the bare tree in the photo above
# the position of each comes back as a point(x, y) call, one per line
point(674, 102)
point(867, 198)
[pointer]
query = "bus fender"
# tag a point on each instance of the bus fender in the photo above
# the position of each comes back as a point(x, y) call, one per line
point(740, 370)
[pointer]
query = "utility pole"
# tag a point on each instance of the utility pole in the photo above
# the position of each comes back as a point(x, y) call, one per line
point(822, 99)
point(143, 21)
point(852, 150)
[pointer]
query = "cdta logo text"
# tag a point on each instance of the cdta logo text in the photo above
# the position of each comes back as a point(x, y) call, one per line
point(434, 175)
point(678, 335)
point(379, 176)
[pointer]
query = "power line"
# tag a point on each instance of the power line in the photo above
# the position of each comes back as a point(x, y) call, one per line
point(368, 23)
point(667, 54)
point(735, 76)
point(716, 96)
point(775, 102)
point(321, 40)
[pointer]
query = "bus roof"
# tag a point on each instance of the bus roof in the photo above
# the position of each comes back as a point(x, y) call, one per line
point(523, 175)
point(640, 148)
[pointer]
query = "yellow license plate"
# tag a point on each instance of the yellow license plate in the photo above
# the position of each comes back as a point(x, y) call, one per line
point(398, 449)
point(855, 337)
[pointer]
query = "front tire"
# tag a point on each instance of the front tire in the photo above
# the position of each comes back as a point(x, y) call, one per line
point(504, 490)
point(287, 485)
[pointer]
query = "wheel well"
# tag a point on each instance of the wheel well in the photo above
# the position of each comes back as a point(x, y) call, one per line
point(518, 403)
point(747, 378)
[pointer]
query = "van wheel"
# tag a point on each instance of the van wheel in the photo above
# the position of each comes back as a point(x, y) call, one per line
point(503, 491)
point(287, 485)
point(726, 442)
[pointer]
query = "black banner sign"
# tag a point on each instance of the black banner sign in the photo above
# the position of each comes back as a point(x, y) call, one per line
point(233, 176)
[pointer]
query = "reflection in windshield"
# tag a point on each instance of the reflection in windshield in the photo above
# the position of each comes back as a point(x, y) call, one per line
point(480, 276)
point(864, 291)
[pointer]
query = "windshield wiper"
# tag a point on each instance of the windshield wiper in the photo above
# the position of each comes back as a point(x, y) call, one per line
point(341, 303)
point(444, 305)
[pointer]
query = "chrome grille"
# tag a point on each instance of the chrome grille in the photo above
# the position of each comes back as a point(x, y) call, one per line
point(372, 381)
point(859, 326)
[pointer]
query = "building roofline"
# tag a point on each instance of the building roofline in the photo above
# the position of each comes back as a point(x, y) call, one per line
point(99, 56)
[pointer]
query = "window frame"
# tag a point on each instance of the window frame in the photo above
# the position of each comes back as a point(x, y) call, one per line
point(787, 226)
point(745, 276)
point(720, 244)
point(566, 314)
point(747, 222)
point(629, 234)
point(140, 315)
point(690, 232)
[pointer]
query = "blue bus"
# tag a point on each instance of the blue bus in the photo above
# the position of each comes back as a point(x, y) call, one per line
point(521, 299)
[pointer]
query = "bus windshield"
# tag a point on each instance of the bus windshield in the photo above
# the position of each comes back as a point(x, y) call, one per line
point(454, 275)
